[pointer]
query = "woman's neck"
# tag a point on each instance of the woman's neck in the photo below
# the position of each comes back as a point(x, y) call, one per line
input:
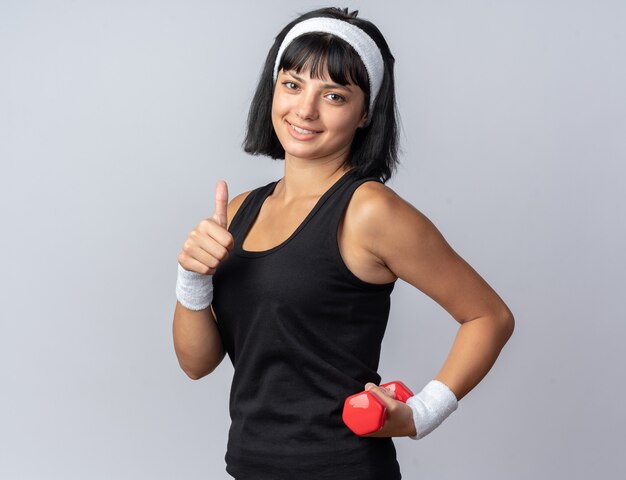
point(308, 179)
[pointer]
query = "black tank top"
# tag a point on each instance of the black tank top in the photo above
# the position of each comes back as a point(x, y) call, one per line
point(303, 333)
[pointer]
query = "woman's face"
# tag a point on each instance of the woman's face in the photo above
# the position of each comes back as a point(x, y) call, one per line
point(316, 118)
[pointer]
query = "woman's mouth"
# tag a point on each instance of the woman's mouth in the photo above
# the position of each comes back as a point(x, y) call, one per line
point(300, 132)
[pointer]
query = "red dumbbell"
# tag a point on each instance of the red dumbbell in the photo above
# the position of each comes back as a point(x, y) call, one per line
point(365, 413)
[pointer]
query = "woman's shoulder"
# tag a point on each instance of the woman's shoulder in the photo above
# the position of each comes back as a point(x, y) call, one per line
point(373, 197)
point(374, 206)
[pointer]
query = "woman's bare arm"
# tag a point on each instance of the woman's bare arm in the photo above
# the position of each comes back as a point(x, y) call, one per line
point(408, 243)
point(197, 341)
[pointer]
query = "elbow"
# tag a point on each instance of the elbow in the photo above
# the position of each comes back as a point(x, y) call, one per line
point(507, 322)
point(197, 370)
point(195, 374)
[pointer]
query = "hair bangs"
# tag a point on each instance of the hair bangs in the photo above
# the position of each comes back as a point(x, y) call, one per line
point(319, 53)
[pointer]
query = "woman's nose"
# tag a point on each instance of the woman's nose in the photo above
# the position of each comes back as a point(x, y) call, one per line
point(307, 106)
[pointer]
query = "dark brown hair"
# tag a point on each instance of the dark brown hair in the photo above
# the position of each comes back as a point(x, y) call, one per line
point(374, 150)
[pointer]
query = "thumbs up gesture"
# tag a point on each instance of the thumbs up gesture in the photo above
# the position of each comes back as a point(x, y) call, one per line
point(210, 242)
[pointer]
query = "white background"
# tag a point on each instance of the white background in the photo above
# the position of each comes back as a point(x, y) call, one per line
point(118, 118)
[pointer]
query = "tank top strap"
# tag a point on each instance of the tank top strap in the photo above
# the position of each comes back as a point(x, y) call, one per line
point(249, 209)
point(320, 225)
point(330, 213)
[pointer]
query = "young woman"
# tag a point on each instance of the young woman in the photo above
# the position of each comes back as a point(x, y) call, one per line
point(298, 273)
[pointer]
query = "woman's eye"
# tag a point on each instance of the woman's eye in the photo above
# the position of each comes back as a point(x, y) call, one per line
point(336, 98)
point(290, 85)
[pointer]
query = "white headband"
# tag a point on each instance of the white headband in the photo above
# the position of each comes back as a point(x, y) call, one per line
point(362, 43)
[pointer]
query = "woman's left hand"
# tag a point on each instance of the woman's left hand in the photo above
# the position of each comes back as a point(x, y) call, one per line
point(399, 422)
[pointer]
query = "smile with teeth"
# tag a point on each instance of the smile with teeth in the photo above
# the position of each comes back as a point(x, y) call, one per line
point(302, 130)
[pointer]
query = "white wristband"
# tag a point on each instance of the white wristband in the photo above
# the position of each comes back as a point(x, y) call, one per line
point(431, 407)
point(194, 290)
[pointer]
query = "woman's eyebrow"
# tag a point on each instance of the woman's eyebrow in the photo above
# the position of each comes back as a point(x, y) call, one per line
point(325, 85)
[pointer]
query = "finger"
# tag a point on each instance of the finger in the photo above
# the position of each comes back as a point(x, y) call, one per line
point(191, 264)
point(209, 231)
point(386, 391)
point(221, 203)
point(384, 395)
point(210, 253)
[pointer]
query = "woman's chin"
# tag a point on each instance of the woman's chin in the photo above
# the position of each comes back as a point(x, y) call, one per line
point(302, 153)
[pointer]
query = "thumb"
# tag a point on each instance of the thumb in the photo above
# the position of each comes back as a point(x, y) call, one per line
point(221, 203)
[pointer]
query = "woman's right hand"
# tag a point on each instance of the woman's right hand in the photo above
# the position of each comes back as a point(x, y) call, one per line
point(209, 243)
